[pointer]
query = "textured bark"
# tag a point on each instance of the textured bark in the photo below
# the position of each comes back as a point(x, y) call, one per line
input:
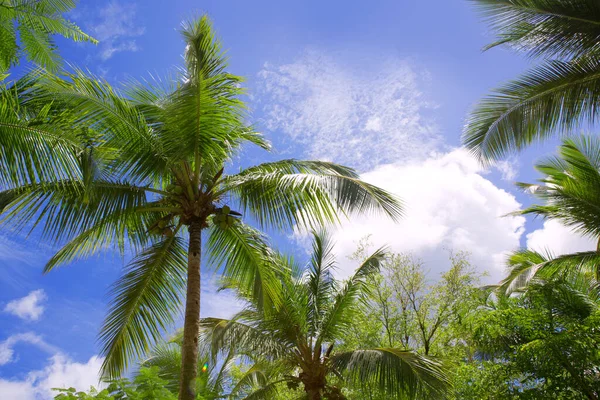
point(191, 327)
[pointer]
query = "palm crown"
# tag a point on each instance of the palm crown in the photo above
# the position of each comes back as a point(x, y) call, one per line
point(141, 171)
point(570, 191)
point(298, 339)
point(557, 95)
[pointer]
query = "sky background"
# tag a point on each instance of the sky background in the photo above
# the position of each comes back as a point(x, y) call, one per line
point(381, 86)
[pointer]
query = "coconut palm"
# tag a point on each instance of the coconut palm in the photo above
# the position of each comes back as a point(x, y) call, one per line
point(299, 338)
point(33, 23)
point(555, 96)
point(570, 191)
point(149, 177)
point(166, 358)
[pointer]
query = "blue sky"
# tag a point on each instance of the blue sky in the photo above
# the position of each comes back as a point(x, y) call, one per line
point(382, 86)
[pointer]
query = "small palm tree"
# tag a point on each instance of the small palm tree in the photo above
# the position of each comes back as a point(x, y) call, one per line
point(555, 96)
point(34, 23)
point(212, 378)
point(298, 339)
point(570, 191)
point(149, 177)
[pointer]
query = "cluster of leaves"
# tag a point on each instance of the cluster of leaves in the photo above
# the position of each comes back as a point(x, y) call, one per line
point(146, 385)
point(35, 23)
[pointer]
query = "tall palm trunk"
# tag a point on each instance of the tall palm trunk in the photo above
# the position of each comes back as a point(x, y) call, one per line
point(313, 393)
point(191, 327)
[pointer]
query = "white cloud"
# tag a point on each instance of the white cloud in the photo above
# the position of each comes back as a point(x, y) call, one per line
point(449, 205)
point(61, 372)
point(116, 28)
point(379, 121)
point(218, 304)
point(507, 168)
point(558, 239)
point(7, 353)
point(350, 115)
point(28, 307)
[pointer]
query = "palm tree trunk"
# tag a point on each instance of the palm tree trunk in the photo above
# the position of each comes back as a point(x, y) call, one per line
point(191, 327)
point(313, 393)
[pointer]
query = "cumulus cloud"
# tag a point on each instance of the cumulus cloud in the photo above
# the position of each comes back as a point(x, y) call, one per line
point(449, 206)
point(7, 352)
point(351, 115)
point(61, 372)
point(558, 239)
point(116, 28)
point(29, 307)
point(380, 122)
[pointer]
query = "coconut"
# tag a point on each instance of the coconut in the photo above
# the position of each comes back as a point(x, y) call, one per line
point(178, 190)
point(226, 210)
point(162, 223)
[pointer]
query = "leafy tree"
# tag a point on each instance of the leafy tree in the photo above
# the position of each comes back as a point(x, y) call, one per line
point(558, 94)
point(148, 177)
point(298, 340)
point(570, 193)
point(544, 343)
point(413, 312)
point(147, 385)
point(34, 23)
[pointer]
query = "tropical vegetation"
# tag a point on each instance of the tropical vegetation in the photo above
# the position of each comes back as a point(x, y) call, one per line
point(148, 170)
point(145, 172)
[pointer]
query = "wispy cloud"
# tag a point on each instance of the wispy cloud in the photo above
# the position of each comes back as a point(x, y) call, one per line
point(7, 353)
point(29, 307)
point(116, 28)
point(344, 113)
point(379, 120)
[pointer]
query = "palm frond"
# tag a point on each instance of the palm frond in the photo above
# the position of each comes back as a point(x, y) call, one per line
point(545, 28)
point(247, 260)
point(34, 147)
point(106, 211)
point(290, 193)
point(339, 314)
point(224, 335)
point(397, 372)
point(319, 279)
point(145, 301)
point(93, 103)
point(556, 96)
point(36, 22)
point(166, 357)
point(570, 188)
point(528, 266)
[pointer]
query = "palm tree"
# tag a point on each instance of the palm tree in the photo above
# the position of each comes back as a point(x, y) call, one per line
point(299, 338)
point(557, 95)
point(166, 358)
point(34, 23)
point(149, 177)
point(570, 191)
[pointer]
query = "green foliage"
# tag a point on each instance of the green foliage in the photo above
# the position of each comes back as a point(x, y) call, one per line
point(147, 385)
point(95, 168)
point(34, 23)
point(555, 96)
point(545, 343)
point(569, 192)
point(296, 342)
